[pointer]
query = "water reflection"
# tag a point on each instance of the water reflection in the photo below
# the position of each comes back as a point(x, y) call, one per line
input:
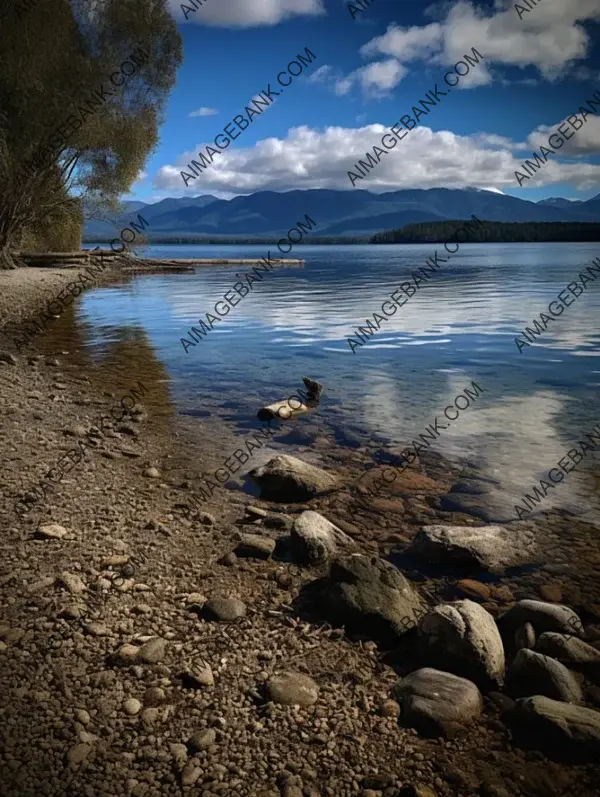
point(460, 326)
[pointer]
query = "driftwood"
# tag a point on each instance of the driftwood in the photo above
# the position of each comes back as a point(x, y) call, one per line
point(82, 258)
point(286, 409)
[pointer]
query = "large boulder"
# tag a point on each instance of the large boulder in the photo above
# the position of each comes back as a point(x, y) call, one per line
point(492, 548)
point(371, 596)
point(560, 728)
point(463, 637)
point(316, 540)
point(533, 673)
point(438, 703)
point(570, 650)
point(542, 616)
point(288, 479)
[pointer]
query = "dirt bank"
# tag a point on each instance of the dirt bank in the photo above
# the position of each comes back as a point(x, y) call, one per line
point(114, 677)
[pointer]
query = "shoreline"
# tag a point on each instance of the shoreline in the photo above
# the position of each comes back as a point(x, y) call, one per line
point(66, 618)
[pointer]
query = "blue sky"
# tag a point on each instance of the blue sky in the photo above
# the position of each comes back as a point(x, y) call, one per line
point(539, 66)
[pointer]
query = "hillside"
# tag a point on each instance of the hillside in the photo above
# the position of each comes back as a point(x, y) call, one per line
point(337, 213)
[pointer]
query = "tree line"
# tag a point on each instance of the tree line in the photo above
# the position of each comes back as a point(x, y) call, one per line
point(492, 232)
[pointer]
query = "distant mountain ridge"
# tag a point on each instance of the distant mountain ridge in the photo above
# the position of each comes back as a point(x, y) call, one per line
point(336, 213)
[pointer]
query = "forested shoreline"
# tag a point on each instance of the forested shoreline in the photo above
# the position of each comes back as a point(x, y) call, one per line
point(492, 232)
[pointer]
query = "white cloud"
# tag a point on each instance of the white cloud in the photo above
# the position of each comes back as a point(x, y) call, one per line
point(407, 44)
point(375, 79)
point(243, 13)
point(204, 112)
point(309, 158)
point(585, 141)
point(550, 37)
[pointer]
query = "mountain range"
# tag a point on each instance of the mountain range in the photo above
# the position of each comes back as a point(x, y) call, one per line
point(335, 213)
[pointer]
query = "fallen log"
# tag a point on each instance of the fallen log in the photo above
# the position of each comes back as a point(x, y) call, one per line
point(284, 410)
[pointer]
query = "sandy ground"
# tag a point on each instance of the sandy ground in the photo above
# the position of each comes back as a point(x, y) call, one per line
point(80, 716)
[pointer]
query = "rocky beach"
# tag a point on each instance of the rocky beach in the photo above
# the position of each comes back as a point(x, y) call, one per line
point(323, 642)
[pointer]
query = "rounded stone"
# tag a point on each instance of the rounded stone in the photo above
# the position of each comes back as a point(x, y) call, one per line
point(132, 706)
point(224, 609)
point(152, 651)
point(292, 689)
point(202, 739)
point(82, 716)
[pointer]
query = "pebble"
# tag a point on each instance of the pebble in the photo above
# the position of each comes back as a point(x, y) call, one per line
point(152, 473)
point(190, 775)
point(126, 654)
point(474, 589)
point(253, 545)
point(78, 753)
point(154, 696)
point(132, 706)
point(71, 582)
point(153, 651)
point(202, 739)
point(51, 531)
point(76, 431)
point(225, 609)
point(292, 688)
point(97, 629)
point(256, 511)
point(179, 753)
point(82, 716)
point(389, 708)
point(150, 716)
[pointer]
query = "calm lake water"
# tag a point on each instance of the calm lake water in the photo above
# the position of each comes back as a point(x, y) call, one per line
point(458, 328)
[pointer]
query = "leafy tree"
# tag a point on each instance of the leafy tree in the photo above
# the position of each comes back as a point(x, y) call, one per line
point(56, 64)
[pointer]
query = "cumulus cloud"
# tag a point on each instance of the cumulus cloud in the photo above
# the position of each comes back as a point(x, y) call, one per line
point(203, 112)
point(242, 13)
point(585, 141)
point(375, 79)
point(407, 44)
point(550, 37)
point(309, 158)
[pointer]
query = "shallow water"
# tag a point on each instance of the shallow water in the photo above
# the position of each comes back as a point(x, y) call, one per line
point(458, 328)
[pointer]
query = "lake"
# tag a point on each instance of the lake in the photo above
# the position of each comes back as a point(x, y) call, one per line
point(459, 327)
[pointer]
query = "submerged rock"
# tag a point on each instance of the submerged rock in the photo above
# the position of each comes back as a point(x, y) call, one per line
point(438, 703)
point(464, 637)
point(371, 596)
point(288, 479)
point(493, 548)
